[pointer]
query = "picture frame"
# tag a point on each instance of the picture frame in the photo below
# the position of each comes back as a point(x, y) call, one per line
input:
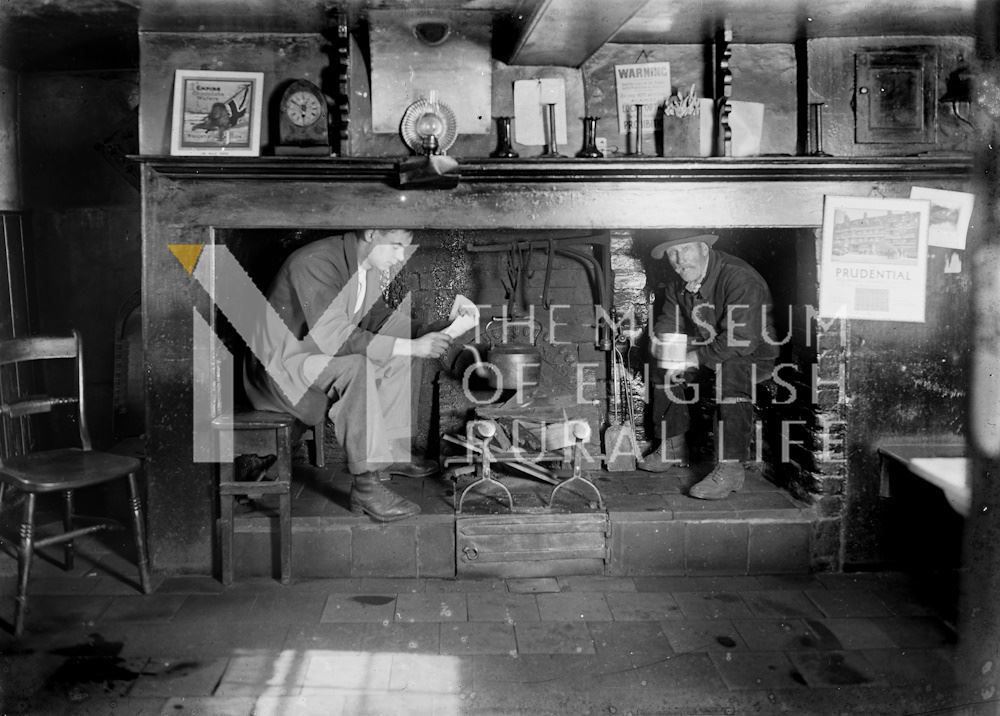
point(950, 214)
point(217, 113)
point(874, 258)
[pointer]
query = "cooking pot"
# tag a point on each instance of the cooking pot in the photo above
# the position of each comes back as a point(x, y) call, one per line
point(515, 365)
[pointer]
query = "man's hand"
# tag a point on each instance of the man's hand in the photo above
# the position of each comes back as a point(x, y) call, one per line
point(429, 345)
point(673, 377)
point(680, 373)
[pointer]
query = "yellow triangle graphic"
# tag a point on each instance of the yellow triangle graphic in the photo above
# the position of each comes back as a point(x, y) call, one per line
point(187, 254)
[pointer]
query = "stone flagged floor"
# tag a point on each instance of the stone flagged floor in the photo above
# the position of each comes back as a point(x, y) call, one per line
point(801, 644)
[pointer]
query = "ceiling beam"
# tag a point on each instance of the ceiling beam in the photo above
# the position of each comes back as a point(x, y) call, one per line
point(566, 32)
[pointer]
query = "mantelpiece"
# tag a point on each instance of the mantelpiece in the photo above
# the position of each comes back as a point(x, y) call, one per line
point(874, 169)
point(534, 193)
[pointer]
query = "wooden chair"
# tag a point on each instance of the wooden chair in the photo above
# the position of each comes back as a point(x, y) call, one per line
point(64, 470)
point(259, 432)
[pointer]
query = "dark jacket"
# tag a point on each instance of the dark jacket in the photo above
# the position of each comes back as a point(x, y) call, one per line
point(313, 296)
point(729, 317)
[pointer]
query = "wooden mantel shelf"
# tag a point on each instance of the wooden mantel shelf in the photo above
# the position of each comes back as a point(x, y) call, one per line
point(751, 169)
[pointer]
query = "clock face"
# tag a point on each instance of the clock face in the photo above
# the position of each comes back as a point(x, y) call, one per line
point(303, 108)
point(302, 123)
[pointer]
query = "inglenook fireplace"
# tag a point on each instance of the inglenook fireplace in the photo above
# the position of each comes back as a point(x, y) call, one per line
point(260, 207)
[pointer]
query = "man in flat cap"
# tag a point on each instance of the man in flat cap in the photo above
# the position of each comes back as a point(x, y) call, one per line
point(724, 307)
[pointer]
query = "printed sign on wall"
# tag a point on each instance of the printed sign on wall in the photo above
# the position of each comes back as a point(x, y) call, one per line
point(874, 262)
point(647, 84)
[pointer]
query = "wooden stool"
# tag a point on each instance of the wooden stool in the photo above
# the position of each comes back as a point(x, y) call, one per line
point(263, 433)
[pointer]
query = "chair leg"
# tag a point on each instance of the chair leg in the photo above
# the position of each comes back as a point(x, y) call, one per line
point(284, 464)
point(319, 453)
point(25, 556)
point(226, 475)
point(68, 525)
point(139, 525)
point(3, 491)
point(285, 525)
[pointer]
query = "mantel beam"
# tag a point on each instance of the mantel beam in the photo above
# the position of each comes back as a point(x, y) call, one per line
point(506, 172)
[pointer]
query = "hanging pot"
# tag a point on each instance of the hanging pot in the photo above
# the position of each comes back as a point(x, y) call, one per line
point(515, 365)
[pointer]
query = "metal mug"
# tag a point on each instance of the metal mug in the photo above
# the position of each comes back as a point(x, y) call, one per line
point(670, 349)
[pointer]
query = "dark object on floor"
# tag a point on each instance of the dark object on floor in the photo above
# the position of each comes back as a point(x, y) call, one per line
point(253, 468)
point(56, 470)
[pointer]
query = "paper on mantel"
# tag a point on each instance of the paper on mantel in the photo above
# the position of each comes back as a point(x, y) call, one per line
point(746, 120)
point(464, 316)
point(531, 100)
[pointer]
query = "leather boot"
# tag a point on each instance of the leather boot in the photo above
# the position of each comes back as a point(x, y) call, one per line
point(673, 452)
point(417, 467)
point(725, 477)
point(370, 497)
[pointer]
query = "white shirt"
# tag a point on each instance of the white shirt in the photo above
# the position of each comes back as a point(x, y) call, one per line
point(362, 287)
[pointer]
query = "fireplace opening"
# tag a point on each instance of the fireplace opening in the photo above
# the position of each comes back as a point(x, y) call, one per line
point(569, 297)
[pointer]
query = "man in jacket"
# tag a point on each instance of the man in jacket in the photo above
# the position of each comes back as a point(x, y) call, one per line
point(724, 307)
point(331, 347)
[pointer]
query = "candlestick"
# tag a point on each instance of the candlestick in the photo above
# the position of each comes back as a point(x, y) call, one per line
point(552, 143)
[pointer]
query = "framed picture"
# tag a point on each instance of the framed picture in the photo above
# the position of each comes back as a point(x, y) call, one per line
point(217, 113)
point(950, 215)
point(874, 259)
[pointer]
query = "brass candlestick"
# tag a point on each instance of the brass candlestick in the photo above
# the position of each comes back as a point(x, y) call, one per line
point(816, 129)
point(505, 146)
point(589, 150)
point(552, 144)
point(638, 132)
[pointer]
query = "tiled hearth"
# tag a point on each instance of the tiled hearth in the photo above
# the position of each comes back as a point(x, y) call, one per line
point(653, 528)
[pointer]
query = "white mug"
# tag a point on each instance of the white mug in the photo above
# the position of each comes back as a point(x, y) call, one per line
point(670, 349)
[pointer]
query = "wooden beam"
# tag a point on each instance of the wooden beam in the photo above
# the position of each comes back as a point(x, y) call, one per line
point(566, 32)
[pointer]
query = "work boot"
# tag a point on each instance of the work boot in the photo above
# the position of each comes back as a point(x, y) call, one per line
point(416, 467)
point(724, 478)
point(673, 452)
point(370, 497)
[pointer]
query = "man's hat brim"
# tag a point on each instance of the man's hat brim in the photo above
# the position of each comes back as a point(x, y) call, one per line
point(661, 249)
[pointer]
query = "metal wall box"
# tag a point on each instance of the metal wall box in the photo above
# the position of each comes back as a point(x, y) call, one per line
point(532, 545)
point(894, 96)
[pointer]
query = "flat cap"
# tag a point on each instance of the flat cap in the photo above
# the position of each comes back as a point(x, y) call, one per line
point(668, 238)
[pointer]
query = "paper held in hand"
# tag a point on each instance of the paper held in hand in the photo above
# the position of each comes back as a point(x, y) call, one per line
point(464, 316)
